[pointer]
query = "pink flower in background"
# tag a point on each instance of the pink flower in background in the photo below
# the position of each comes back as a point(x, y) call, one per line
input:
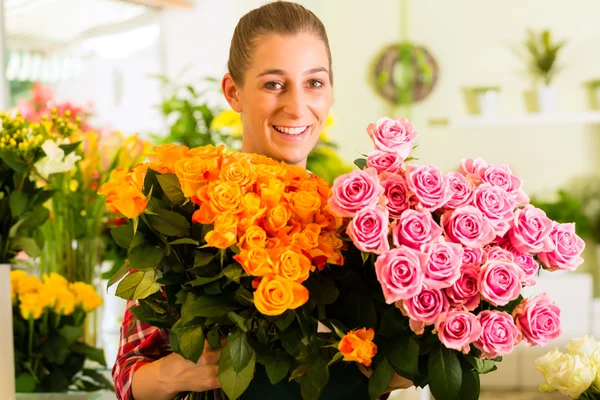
point(354, 191)
point(464, 294)
point(470, 166)
point(500, 282)
point(393, 135)
point(369, 229)
point(416, 228)
point(396, 192)
point(443, 267)
point(538, 319)
point(461, 190)
point(458, 329)
point(531, 230)
point(385, 161)
point(468, 226)
point(473, 257)
point(568, 248)
point(496, 205)
point(529, 266)
point(429, 185)
point(424, 308)
point(400, 273)
point(498, 253)
point(501, 176)
point(499, 334)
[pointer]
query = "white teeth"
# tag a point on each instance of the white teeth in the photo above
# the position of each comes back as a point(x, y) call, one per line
point(291, 131)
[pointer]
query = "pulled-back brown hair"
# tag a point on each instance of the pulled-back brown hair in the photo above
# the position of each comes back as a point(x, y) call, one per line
point(279, 17)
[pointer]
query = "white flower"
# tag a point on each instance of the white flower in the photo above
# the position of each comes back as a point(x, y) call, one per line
point(55, 160)
point(586, 345)
point(569, 374)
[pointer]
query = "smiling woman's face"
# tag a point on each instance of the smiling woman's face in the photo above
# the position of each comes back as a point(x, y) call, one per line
point(285, 97)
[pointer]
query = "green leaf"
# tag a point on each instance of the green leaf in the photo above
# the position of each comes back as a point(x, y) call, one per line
point(185, 241)
point(313, 382)
point(284, 320)
point(392, 323)
point(145, 257)
point(13, 160)
point(171, 187)
point(214, 339)
point(233, 272)
point(200, 281)
point(147, 313)
point(69, 147)
point(191, 340)
point(29, 245)
point(119, 274)
point(56, 381)
point(90, 352)
point(469, 389)
point(365, 256)
point(238, 320)
point(56, 349)
point(122, 235)
point(278, 366)
point(481, 366)
point(41, 197)
point(170, 223)
point(404, 356)
point(103, 383)
point(240, 350)
point(337, 356)
point(71, 333)
point(360, 163)
point(139, 285)
point(25, 383)
point(234, 383)
point(203, 259)
point(18, 203)
point(206, 306)
point(381, 378)
point(445, 373)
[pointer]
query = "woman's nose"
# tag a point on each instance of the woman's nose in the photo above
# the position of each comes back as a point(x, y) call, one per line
point(295, 104)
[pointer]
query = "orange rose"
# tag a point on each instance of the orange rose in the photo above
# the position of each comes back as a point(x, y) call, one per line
point(168, 155)
point(138, 174)
point(293, 265)
point(238, 170)
point(129, 200)
point(295, 173)
point(259, 159)
point(327, 220)
point(358, 346)
point(276, 294)
point(254, 236)
point(116, 177)
point(266, 173)
point(224, 234)
point(270, 193)
point(307, 239)
point(305, 204)
point(225, 197)
point(252, 210)
point(208, 152)
point(277, 218)
point(255, 261)
point(193, 173)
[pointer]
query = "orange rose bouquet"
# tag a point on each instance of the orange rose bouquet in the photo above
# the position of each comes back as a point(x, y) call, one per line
point(227, 244)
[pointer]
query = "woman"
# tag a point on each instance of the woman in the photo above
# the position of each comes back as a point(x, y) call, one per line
point(280, 81)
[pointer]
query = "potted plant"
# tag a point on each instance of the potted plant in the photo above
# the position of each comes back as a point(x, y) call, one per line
point(593, 92)
point(541, 58)
point(482, 100)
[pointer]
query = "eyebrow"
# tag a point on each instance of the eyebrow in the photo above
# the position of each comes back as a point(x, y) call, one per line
point(275, 71)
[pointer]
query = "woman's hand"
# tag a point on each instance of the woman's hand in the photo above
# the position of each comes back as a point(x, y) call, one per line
point(397, 382)
point(172, 374)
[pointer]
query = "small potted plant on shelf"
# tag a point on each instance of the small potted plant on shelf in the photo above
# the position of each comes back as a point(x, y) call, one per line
point(593, 92)
point(482, 100)
point(541, 56)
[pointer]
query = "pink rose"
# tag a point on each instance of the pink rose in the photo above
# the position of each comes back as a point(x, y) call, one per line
point(470, 166)
point(529, 266)
point(354, 191)
point(531, 230)
point(393, 135)
point(396, 192)
point(416, 228)
point(500, 282)
point(385, 161)
point(496, 205)
point(568, 248)
point(443, 267)
point(501, 176)
point(424, 308)
point(468, 226)
point(499, 334)
point(497, 253)
point(429, 186)
point(457, 329)
point(369, 229)
point(538, 319)
point(473, 257)
point(400, 273)
point(464, 293)
point(461, 190)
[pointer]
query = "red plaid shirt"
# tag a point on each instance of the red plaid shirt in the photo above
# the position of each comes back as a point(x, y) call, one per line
point(140, 344)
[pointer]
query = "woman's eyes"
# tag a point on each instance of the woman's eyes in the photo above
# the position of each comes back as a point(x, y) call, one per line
point(312, 84)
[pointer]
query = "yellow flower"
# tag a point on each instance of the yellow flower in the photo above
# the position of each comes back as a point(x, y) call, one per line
point(15, 278)
point(65, 302)
point(85, 296)
point(328, 123)
point(229, 122)
point(28, 284)
point(32, 305)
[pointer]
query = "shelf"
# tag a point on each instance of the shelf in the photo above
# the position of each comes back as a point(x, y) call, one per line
point(572, 118)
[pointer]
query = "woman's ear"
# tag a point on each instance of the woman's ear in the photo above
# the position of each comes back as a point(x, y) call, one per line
point(231, 93)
